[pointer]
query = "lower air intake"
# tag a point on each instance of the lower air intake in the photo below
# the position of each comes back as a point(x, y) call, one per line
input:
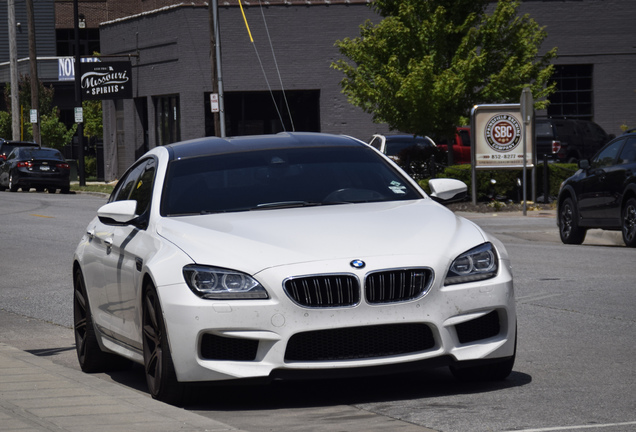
point(359, 342)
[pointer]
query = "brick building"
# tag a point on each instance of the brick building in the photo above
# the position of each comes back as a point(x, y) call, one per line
point(171, 67)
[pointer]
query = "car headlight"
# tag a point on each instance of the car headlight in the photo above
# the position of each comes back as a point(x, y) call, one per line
point(222, 284)
point(477, 264)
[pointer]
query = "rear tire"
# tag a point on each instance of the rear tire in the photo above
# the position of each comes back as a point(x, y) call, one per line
point(13, 187)
point(51, 190)
point(159, 369)
point(569, 229)
point(89, 355)
point(629, 223)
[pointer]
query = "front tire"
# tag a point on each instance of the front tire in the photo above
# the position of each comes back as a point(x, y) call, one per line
point(629, 223)
point(569, 229)
point(159, 369)
point(89, 355)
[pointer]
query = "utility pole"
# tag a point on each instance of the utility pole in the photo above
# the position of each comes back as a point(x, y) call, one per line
point(217, 76)
point(35, 81)
point(13, 63)
point(78, 97)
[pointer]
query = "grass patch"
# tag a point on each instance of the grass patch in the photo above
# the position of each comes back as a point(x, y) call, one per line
point(93, 187)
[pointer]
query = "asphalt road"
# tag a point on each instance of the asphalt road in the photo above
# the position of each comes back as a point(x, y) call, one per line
point(574, 371)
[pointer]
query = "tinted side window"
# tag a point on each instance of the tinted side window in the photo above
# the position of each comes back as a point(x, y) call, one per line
point(376, 143)
point(607, 156)
point(465, 137)
point(142, 191)
point(128, 183)
point(628, 154)
point(544, 130)
point(597, 133)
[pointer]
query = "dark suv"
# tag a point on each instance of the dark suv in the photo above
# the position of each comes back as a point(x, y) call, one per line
point(601, 194)
point(567, 140)
point(7, 147)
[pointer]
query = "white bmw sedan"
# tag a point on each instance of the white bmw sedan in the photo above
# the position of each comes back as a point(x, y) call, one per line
point(287, 256)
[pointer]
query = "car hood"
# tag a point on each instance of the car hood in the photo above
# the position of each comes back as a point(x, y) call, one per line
point(256, 240)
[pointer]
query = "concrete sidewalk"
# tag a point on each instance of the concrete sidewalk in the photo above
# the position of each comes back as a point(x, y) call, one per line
point(39, 395)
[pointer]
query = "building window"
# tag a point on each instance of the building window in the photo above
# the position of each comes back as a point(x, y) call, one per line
point(253, 113)
point(65, 42)
point(167, 119)
point(573, 98)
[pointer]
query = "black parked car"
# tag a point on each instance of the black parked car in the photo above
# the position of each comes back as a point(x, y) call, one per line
point(415, 154)
point(35, 167)
point(601, 194)
point(567, 140)
point(7, 147)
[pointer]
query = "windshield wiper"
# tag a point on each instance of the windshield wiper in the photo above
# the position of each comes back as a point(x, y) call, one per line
point(286, 204)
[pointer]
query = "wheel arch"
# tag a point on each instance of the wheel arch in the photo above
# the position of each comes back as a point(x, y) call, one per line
point(630, 192)
point(566, 192)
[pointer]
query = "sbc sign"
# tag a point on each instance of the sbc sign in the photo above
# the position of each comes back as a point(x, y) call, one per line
point(498, 137)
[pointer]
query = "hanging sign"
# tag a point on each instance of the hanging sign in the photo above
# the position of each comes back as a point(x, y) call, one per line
point(106, 80)
point(66, 67)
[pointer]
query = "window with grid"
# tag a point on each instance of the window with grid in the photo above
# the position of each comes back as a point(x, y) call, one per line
point(573, 98)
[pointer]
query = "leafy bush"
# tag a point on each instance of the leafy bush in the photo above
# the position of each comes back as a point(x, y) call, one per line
point(90, 166)
point(506, 180)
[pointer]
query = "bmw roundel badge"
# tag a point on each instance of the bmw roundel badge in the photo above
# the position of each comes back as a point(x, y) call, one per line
point(356, 263)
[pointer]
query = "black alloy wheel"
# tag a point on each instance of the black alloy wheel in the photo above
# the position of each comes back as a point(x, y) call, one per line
point(89, 355)
point(159, 369)
point(569, 229)
point(629, 223)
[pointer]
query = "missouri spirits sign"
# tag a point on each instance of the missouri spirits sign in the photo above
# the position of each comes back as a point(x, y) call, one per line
point(106, 80)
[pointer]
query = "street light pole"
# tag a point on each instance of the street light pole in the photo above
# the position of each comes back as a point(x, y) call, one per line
point(13, 63)
point(217, 77)
point(35, 80)
point(78, 96)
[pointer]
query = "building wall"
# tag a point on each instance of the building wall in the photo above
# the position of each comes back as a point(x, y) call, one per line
point(174, 58)
point(598, 32)
point(44, 18)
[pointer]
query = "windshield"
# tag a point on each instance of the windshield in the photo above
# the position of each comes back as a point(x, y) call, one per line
point(281, 178)
point(395, 145)
point(543, 130)
point(37, 153)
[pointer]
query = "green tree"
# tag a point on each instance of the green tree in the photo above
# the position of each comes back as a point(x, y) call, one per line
point(428, 62)
point(54, 133)
point(93, 125)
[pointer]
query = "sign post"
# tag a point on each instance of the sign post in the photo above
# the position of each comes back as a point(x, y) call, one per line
point(527, 112)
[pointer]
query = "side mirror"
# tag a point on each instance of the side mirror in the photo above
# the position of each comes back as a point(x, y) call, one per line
point(447, 190)
point(118, 212)
point(584, 164)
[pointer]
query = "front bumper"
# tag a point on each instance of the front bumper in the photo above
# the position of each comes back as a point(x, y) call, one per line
point(223, 340)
